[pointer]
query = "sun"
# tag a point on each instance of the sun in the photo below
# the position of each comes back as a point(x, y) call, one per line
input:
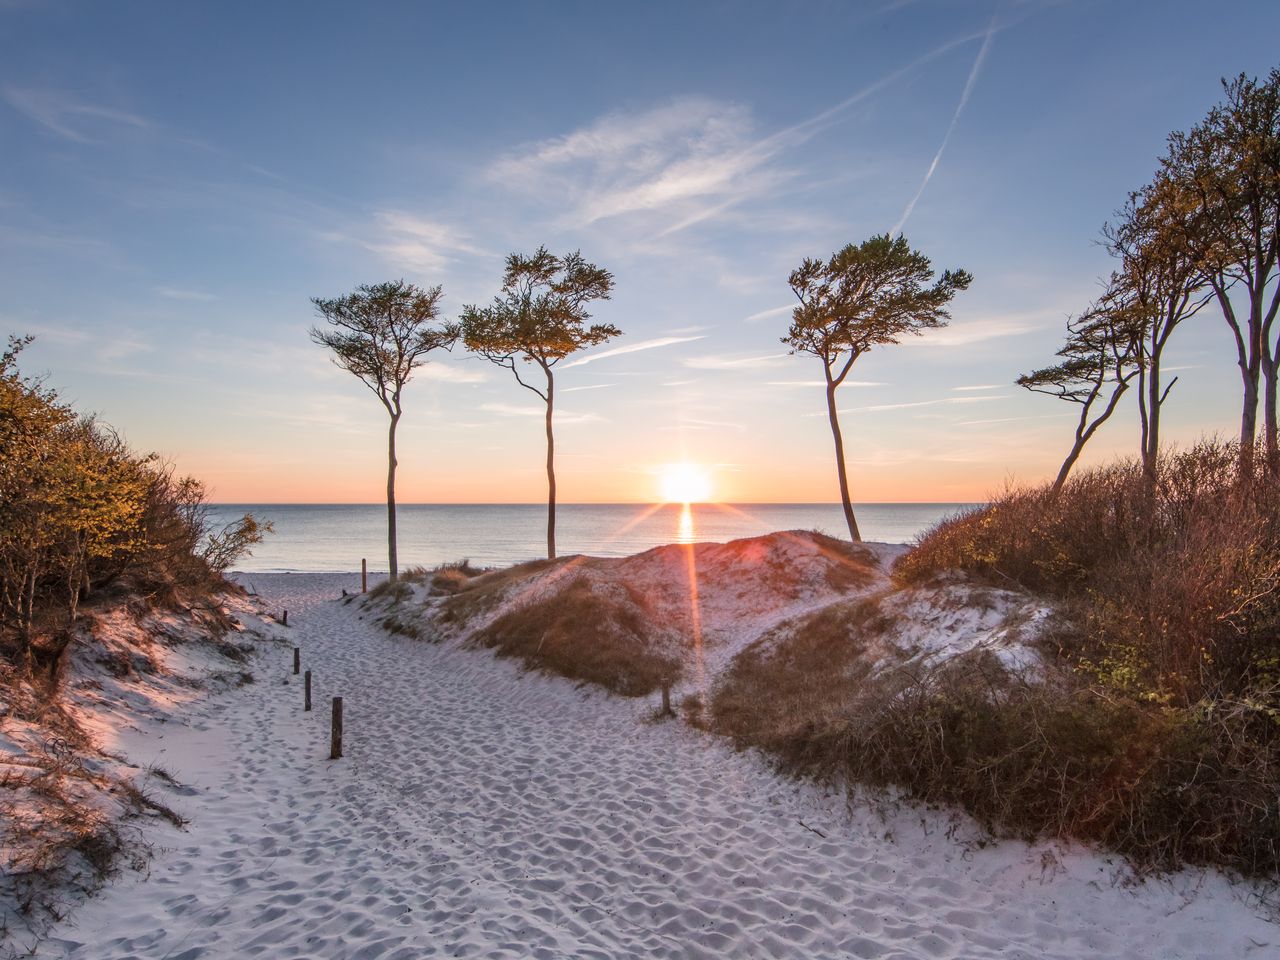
point(684, 483)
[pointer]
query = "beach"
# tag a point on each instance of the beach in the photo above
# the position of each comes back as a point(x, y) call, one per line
point(488, 812)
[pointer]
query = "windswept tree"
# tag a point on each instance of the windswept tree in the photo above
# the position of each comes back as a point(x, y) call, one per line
point(539, 318)
point(1096, 366)
point(381, 334)
point(1227, 168)
point(1158, 283)
point(866, 295)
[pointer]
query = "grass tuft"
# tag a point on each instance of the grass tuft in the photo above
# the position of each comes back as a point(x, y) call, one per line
point(585, 636)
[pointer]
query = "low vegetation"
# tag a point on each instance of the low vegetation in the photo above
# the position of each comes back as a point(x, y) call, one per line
point(82, 517)
point(587, 636)
point(1154, 727)
point(1171, 585)
point(103, 553)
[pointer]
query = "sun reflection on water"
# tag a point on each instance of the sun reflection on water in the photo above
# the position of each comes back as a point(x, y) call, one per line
point(684, 526)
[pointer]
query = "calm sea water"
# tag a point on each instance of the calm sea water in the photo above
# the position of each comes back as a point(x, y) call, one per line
point(312, 538)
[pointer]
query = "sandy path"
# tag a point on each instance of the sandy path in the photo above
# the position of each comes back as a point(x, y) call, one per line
point(480, 813)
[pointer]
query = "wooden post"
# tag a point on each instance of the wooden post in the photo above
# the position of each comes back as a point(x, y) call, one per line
point(364, 576)
point(666, 700)
point(306, 690)
point(297, 661)
point(284, 621)
point(335, 734)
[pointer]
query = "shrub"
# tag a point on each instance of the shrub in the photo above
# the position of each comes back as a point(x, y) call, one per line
point(80, 511)
point(1172, 588)
point(1165, 786)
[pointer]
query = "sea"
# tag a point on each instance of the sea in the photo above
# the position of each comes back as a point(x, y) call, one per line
point(319, 538)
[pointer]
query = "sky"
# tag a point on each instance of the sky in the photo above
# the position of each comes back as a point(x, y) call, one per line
point(178, 180)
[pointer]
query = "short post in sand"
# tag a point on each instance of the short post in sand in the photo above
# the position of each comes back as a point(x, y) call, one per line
point(335, 733)
point(666, 701)
point(364, 575)
point(297, 660)
point(306, 690)
point(284, 620)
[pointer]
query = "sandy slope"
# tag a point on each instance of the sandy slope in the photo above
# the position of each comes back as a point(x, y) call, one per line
point(485, 813)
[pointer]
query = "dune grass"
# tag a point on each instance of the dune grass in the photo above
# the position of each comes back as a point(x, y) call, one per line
point(585, 636)
point(1156, 730)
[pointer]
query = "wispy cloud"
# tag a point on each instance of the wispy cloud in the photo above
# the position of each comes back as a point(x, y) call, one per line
point(715, 362)
point(689, 160)
point(410, 242)
point(103, 346)
point(686, 160)
point(594, 386)
point(822, 383)
point(955, 118)
point(65, 116)
point(175, 293)
point(767, 314)
point(449, 373)
point(981, 386)
point(630, 348)
point(515, 410)
point(882, 407)
point(1048, 416)
point(974, 331)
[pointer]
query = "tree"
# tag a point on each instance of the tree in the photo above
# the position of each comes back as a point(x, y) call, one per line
point(1098, 360)
point(864, 296)
point(381, 334)
point(1157, 285)
point(540, 317)
point(1228, 169)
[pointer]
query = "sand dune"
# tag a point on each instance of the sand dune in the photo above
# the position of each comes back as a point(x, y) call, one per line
point(486, 812)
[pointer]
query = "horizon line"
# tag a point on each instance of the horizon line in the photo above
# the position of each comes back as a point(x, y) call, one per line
point(591, 503)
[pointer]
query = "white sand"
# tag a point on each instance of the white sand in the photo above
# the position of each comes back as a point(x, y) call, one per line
point(485, 813)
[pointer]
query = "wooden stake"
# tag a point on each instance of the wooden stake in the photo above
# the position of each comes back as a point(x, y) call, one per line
point(364, 576)
point(297, 661)
point(335, 734)
point(666, 701)
point(306, 690)
point(284, 621)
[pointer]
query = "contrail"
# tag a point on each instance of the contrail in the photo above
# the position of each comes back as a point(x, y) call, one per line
point(955, 118)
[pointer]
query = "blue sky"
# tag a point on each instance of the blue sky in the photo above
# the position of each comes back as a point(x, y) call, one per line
point(177, 180)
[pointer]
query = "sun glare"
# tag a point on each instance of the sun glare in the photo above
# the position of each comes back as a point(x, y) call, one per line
point(685, 483)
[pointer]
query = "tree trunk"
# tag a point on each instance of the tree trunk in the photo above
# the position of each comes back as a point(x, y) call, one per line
point(1144, 417)
point(1248, 420)
point(391, 498)
point(551, 468)
point(845, 502)
point(1152, 452)
point(1270, 375)
point(1085, 430)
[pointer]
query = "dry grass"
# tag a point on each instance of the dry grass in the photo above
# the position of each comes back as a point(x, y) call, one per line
point(798, 677)
point(1165, 787)
point(583, 635)
point(1157, 731)
point(483, 591)
point(1174, 590)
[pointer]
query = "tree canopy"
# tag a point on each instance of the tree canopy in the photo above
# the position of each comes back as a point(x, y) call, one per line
point(382, 332)
point(866, 295)
point(541, 314)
